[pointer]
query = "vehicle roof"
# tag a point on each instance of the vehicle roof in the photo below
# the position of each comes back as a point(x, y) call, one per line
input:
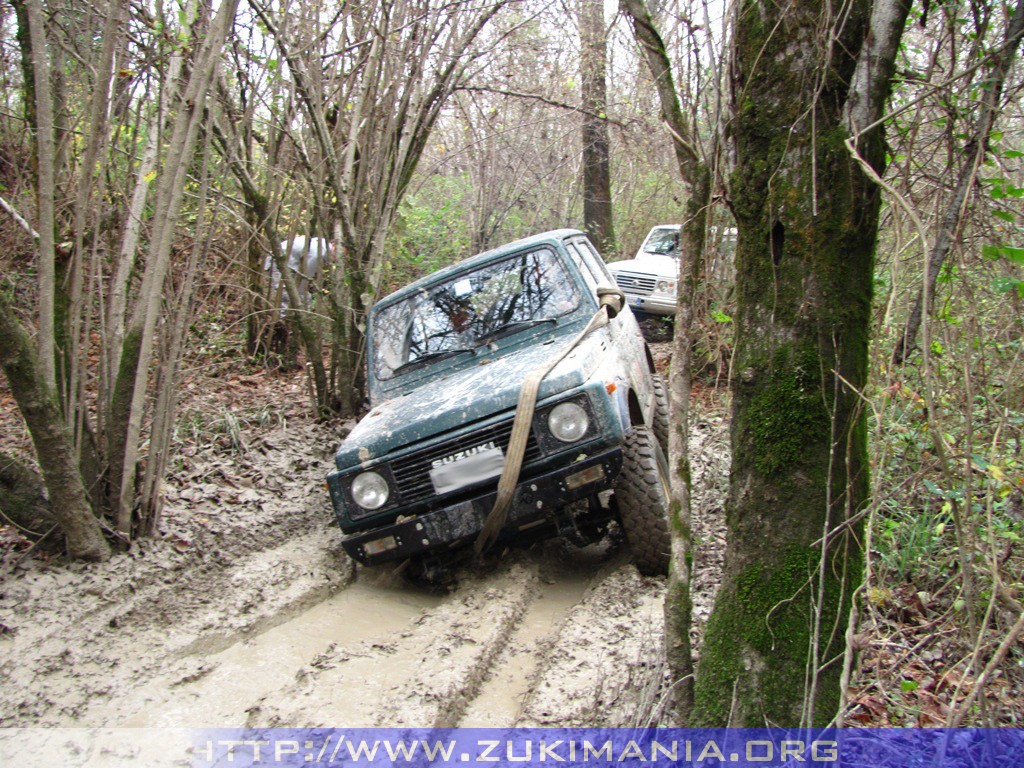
point(525, 243)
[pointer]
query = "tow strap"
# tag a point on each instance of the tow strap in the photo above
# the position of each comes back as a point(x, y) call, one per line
point(611, 301)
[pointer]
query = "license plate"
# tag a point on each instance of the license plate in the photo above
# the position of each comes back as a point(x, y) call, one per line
point(480, 466)
point(636, 301)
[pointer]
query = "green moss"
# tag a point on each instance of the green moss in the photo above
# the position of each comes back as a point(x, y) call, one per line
point(765, 616)
point(786, 409)
point(683, 473)
point(678, 618)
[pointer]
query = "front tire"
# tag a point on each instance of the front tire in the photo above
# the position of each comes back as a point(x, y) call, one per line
point(661, 421)
point(642, 497)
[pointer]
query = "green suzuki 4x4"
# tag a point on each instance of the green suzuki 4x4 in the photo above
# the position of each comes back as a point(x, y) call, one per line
point(512, 399)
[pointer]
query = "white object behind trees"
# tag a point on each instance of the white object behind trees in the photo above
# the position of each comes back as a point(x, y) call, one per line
point(305, 261)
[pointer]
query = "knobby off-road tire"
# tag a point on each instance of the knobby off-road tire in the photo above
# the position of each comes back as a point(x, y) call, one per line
point(661, 412)
point(642, 496)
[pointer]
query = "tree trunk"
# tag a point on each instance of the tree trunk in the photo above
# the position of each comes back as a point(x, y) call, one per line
point(597, 188)
point(807, 218)
point(45, 189)
point(23, 498)
point(141, 336)
point(37, 401)
point(697, 182)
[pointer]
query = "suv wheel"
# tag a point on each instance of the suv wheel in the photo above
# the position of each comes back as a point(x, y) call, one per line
point(642, 497)
point(661, 412)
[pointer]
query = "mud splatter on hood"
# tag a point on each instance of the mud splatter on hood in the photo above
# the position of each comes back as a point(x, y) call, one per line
point(491, 387)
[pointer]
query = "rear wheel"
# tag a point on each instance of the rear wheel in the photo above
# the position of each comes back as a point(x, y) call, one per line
point(642, 497)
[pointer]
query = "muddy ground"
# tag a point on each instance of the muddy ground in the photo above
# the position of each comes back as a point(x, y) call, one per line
point(245, 611)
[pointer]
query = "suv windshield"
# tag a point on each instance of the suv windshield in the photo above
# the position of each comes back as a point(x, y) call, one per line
point(662, 241)
point(471, 309)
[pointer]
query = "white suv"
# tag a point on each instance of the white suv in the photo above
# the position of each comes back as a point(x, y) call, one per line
point(649, 279)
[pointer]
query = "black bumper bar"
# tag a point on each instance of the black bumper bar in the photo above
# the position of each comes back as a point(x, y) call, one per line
point(536, 500)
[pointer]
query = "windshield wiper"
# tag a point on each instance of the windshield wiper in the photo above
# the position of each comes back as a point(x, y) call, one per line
point(511, 328)
point(431, 356)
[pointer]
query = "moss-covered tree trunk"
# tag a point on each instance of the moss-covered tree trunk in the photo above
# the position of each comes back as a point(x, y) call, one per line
point(349, 290)
point(807, 219)
point(37, 401)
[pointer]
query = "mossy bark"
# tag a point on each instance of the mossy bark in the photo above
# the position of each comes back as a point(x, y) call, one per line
point(348, 312)
point(597, 185)
point(807, 220)
point(678, 601)
point(38, 405)
point(117, 416)
point(23, 498)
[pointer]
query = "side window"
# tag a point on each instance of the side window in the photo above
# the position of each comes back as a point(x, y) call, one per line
point(580, 260)
point(594, 261)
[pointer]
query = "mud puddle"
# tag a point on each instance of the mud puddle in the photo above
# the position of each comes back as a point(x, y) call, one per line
point(222, 687)
point(503, 694)
point(565, 577)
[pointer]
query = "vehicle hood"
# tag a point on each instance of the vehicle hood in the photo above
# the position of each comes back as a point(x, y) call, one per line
point(648, 264)
point(450, 401)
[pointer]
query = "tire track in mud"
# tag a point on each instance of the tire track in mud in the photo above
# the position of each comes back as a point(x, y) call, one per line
point(494, 652)
point(503, 693)
point(606, 669)
point(504, 649)
point(241, 560)
point(471, 660)
point(221, 688)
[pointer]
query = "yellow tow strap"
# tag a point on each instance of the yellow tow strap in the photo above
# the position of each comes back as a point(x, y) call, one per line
point(611, 300)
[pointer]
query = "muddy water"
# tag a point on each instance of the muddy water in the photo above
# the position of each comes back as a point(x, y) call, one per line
point(381, 653)
point(219, 689)
point(502, 695)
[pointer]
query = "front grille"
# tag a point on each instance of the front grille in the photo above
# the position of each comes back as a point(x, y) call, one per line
point(412, 471)
point(636, 285)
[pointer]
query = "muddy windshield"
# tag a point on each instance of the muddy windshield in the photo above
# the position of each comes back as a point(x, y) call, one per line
point(662, 241)
point(456, 317)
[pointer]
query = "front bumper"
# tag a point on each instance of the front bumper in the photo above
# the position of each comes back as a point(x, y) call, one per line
point(541, 499)
point(652, 305)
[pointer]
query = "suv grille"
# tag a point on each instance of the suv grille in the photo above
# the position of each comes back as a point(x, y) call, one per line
point(637, 285)
point(412, 472)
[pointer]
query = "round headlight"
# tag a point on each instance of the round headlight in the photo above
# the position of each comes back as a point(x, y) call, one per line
point(370, 490)
point(568, 422)
point(667, 286)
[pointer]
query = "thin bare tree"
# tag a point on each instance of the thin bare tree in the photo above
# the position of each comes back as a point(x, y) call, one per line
point(372, 81)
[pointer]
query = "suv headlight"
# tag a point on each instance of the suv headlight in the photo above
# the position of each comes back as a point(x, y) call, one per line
point(667, 286)
point(370, 490)
point(568, 422)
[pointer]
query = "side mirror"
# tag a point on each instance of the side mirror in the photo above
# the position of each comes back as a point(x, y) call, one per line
point(612, 298)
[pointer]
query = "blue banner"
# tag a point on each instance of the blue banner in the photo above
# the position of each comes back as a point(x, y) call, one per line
point(548, 747)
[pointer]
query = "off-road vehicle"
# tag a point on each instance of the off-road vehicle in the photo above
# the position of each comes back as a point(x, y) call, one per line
point(649, 278)
point(512, 399)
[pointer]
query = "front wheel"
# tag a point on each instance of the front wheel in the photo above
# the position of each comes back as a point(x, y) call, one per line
point(662, 416)
point(642, 497)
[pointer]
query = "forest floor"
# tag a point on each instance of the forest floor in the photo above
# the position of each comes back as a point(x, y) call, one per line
point(245, 611)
